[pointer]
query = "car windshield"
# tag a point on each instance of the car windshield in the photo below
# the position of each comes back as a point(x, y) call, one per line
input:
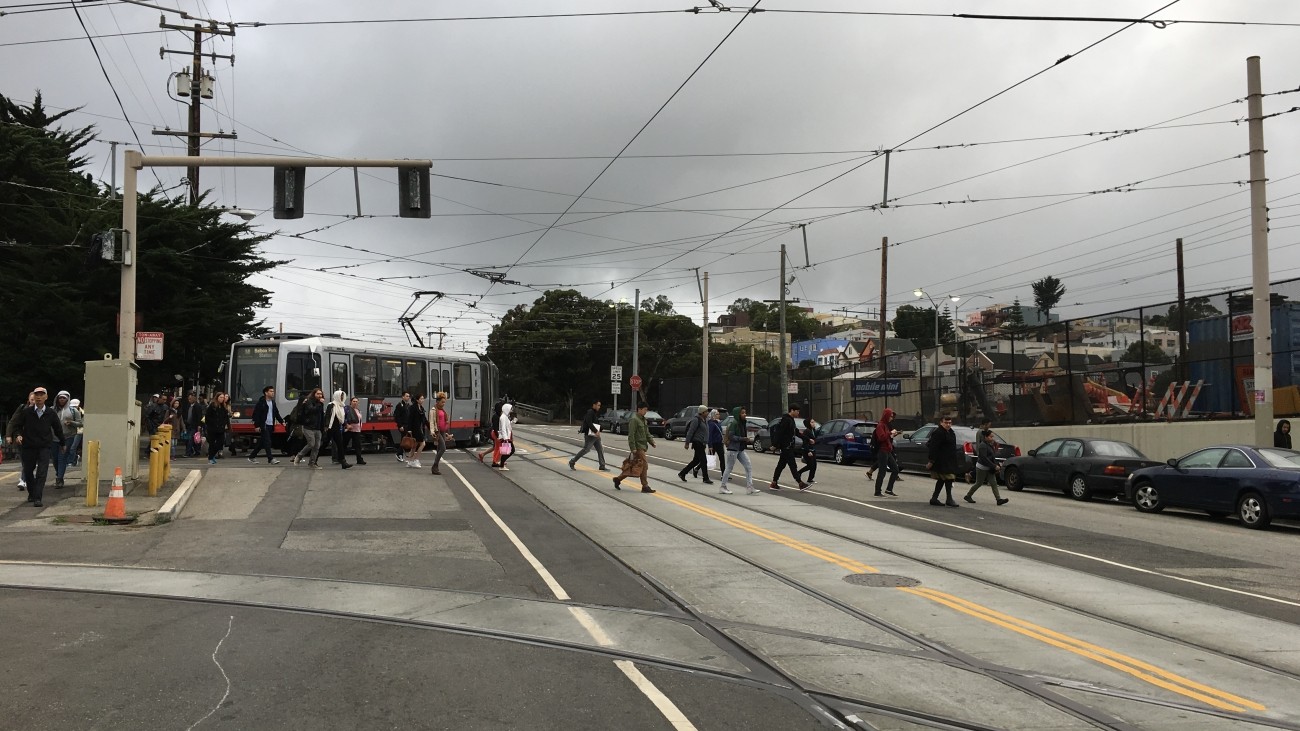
point(1117, 449)
point(1285, 459)
point(755, 422)
point(653, 415)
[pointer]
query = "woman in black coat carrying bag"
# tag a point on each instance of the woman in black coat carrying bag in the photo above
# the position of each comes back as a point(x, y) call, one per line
point(943, 465)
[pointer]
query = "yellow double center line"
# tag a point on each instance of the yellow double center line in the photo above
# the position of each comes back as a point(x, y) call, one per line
point(1143, 671)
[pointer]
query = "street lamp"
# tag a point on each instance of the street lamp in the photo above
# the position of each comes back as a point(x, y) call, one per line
point(616, 307)
point(922, 293)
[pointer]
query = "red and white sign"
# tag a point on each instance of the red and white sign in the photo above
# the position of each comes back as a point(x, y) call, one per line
point(148, 346)
point(1241, 327)
point(636, 383)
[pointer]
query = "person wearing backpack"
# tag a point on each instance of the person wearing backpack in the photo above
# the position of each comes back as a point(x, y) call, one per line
point(697, 435)
point(735, 440)
point(783, 439)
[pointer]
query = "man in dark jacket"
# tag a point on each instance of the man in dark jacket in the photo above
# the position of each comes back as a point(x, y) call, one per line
point(155, 413)
point(590, 432)
point(943, 464)
point(783, 439)
point(265, 415)
point(697, 437)
point(37, 431)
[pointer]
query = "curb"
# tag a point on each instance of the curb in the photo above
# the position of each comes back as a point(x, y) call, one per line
point(172, 508)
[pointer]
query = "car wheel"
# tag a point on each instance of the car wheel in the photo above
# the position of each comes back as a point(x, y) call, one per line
point(1015, 482)
point(1079, 488)
point(1253, 511)
point(668, 433)
point(1146, 498)
point(840, 456)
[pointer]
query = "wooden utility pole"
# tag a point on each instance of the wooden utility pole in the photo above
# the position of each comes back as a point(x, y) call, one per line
point(1182, 316)
point(785, 374)
point(884, 302)
point(200, 88)
point(704, 376)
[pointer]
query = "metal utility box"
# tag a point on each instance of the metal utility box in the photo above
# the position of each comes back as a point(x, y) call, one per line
point(113, 416)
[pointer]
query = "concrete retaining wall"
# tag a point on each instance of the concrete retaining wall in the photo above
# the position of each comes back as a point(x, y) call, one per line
point(1156, 440)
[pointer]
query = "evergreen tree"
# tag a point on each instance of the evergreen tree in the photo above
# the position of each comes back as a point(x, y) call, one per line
point(59, 301)
point(1015, 323)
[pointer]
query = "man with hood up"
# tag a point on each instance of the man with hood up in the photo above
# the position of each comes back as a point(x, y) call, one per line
point(71, 421)
point(883, 441)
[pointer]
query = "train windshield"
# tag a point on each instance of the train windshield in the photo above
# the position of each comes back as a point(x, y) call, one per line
point(253, 370)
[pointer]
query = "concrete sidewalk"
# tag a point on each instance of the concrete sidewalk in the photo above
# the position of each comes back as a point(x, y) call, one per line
point(66, 505)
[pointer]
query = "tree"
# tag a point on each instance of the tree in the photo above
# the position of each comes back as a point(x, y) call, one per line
point(660, 305)
point(59, 301)
point(1048, 291)
point(1015, 323)
point(1198, 308)
point(1144, 351)
point(917, 324)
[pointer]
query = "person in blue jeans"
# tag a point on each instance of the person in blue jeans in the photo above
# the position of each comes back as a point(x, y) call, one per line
point(265, 415)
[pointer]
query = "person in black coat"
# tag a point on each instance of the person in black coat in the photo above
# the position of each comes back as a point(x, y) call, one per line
point(943, 465)
point(417, 425)
point(783, 435)
point(36, 430)
point(1282, 436)
point(265, 415)
point(216, 421)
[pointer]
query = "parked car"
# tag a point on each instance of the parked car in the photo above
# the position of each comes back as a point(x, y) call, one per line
point(656, 423)
point(1078, 466)
point(753, 424)
point(1258, 484)
point(611, 417)
point(763, 441)
point(845, 440)
point(678, 422)
point(913, 454)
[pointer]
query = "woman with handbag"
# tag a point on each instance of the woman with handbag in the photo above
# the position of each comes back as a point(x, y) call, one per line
point(506, 435)
point(442, 423)
point(417, 423)
point(215, 422)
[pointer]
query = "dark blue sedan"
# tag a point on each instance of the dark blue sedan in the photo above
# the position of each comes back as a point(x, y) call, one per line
point(845, 440)
point(1258, 484)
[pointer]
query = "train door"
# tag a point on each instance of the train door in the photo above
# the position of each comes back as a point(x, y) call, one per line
point(440, 380)
point(339, 375)
point(464, 398)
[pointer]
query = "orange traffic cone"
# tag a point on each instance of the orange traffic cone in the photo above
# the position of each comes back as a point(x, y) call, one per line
point(116, 507)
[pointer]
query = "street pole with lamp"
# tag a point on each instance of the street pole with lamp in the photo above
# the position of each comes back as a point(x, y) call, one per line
point(935, 369)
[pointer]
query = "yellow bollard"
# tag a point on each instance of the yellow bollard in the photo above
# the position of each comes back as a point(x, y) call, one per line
point(166, 456)
point(155, 462)
point(92, 473)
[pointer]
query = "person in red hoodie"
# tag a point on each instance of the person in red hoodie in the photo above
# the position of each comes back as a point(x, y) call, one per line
point(883, 442)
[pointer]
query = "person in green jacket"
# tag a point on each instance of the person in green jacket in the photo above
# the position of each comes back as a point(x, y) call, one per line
point(638, 441)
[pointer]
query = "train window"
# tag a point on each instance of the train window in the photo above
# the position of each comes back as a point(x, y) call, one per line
point(435, 379)
point(367, 375)
point(415, 382)
point(301, 373)
point(464, 381)
point(446, 381)
point(253, 369)
point(390, 378)
point(338, 376)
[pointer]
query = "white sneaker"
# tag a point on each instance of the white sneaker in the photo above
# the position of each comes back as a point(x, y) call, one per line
point(724, 491)
point(416, 464)
point(22, 485)
point(401, 457)
point(751, 491)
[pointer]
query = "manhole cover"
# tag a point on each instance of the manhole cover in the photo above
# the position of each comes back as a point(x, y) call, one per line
point(881, 580)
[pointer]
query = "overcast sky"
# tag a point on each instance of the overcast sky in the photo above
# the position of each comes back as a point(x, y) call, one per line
point(787, 115)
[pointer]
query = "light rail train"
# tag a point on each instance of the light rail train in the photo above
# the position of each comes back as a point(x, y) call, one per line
point(375, 373)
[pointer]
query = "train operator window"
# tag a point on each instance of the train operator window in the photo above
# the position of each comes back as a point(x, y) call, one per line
point(301, 373)
point(464, 381)
point(390, 378)
point(415, 382)
point(367, 375)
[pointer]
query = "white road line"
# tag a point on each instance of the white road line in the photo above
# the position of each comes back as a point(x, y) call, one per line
point(1068, 552)
point(7, 475)
point(656, 696)
point(598, 634)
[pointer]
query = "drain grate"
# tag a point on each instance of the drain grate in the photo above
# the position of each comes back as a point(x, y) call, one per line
point(888, 581)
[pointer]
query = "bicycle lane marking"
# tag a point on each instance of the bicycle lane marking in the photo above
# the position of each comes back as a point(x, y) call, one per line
point(663, 703)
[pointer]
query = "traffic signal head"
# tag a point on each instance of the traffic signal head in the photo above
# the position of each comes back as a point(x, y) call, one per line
point(413, 192)
point(289, 186)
